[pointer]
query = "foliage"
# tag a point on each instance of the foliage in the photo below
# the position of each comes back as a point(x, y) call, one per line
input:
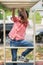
point(7, 11)
point(38, 17)
point(3, 7)
point(1, 17)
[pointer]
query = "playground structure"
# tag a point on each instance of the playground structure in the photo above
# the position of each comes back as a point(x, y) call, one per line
point(18, 5)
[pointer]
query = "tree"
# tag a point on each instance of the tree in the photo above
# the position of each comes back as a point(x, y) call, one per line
point(38, 17)
point(7, 11)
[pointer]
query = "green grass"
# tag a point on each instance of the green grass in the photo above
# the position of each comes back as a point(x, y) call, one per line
point(38, 22)
point(30, 56)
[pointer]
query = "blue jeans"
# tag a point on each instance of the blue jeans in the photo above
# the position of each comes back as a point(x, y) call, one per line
point(20, 43)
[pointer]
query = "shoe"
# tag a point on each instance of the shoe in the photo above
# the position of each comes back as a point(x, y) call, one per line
point(22, 58)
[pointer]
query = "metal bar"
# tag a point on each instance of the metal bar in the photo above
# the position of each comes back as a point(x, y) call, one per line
point(4, 37)
point(38, 10)
point(38, 60)
point(19, 47)
point(4, 33)
point(30, 61)
point(34, 35)
point(19, 0)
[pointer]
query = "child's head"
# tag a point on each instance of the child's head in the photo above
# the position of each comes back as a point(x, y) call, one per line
point(21, 15)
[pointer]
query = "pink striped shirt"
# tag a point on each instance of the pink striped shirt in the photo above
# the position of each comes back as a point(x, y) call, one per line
point(18, 30)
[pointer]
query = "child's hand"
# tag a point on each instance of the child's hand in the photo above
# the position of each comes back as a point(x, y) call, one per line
point(22, 9)
point(19, 10)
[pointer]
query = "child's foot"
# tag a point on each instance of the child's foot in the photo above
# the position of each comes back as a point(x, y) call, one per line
point(22, 58)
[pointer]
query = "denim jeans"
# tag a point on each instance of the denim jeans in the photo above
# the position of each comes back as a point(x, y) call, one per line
point(20, 43)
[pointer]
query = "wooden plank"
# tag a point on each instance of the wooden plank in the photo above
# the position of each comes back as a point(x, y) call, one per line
point(19, 3)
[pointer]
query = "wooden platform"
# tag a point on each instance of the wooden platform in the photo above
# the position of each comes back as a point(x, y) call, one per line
point(19, 3)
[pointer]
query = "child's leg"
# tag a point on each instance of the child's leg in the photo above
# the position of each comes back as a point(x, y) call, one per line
point(29, 44)
point(22, 57)
point(26, 52)
point(13, 51)
point(14, 54)
point(25, 43)
point(22, 43)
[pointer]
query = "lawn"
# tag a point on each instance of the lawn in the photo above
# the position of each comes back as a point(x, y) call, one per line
point(39, 52)
point(9, 57)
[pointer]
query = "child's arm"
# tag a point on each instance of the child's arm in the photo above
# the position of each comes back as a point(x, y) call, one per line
point(13, 14)
point(23, 12)
point(14, 18)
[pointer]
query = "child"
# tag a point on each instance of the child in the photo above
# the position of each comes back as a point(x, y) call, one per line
point(17, 33)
